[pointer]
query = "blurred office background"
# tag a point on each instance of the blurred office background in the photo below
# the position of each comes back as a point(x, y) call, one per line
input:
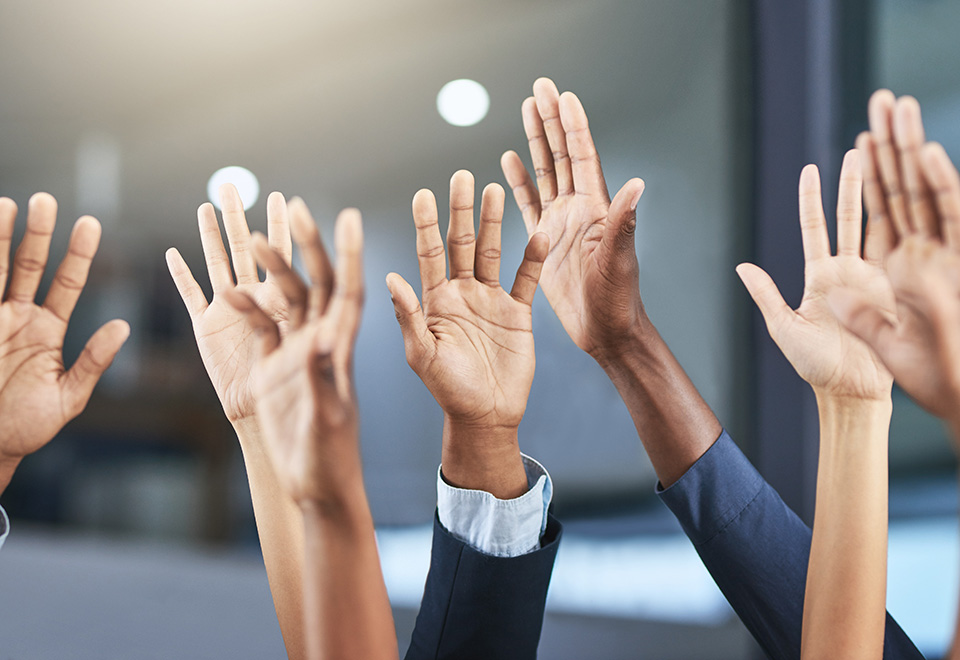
point(132, 532)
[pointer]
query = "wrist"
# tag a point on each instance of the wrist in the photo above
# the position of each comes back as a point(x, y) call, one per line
point(483, 457)
point(7, 467)
point(247, 429)
point(843, 417)
point(614, 353)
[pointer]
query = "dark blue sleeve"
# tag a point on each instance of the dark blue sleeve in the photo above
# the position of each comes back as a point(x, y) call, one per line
point(755, 547)
point(477, 606)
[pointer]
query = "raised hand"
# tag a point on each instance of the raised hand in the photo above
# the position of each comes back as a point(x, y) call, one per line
point(896, 193)
point(302, 384)
point(824, 353)
point(228, 348)
point(920, 342)
point(472, 342)
point(302, 380)
point(38, 395)
point(225, 341)
point(591, 274)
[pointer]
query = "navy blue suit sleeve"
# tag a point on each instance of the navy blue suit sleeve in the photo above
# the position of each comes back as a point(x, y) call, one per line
point(756, 549)
point(477, 606)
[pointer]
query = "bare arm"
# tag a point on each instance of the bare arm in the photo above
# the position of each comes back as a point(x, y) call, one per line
point(844, 606)
point(591, 278)
point(38, 394)
point(913, 192)
point(305, 398)
point(227, 348)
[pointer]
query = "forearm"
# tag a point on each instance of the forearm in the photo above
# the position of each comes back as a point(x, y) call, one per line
point(844, 606)
point(483, 458)
point(673, 421)
point(280, 527)
point(347, 609)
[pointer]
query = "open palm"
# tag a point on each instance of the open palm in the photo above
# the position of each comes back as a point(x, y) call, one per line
point(472, 343)
point(824, 352)
point(591, 275)
point(224, 337)
point(38, 395)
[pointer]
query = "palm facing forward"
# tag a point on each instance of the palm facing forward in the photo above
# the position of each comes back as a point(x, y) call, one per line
point(472, 343)
point(591, 275)
point(38, 395)
point(823, 352)
point(226, 341)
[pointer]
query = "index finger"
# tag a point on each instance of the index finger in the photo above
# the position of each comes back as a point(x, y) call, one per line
point(430, 252)
point(813, 223)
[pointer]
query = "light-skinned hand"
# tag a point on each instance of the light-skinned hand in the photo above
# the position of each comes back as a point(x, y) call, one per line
point(824, 353)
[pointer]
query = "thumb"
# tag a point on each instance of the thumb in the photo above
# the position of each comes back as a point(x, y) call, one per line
point(97, 355)
point(864, 320)
point(417, 338)
point(766, 295)
point(619, 234)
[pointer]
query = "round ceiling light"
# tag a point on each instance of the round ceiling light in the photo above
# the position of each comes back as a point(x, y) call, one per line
point(463, 102)
point(244, 180)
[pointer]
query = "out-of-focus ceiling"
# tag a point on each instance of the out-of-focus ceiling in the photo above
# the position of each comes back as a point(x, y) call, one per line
point(333, 101)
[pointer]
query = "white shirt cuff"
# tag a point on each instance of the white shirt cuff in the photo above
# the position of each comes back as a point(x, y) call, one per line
point(4, 526)
point(502, 528)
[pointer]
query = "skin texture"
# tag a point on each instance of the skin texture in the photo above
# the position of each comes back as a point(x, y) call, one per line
point(228, 348)
point(302, 386)
point(912, 194)
point(38, 394)
point(472, 342)
point(591, 277)
point(844, 605)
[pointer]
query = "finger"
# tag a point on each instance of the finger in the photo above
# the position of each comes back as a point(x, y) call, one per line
point(539, 151)
point(215, 255)
point(8, 217)
point(766, 295)
point(619, 235)
point(314, 255)
point(289, 283)
point(238, 235)
point(347, 303)
point(548, 103)
point(190, 292)
point(524, 192)
point(77, 384)
point(943, 178)
point(418, 341)
point(430, 253)
point(880, 112)
point(850, 205)
point(880, 237)
point(584, 160)
point(528, 275)
point(278, 226)
point(461, 241)
point(72, 274)
point(487, 266)
point(31, 256)
point(909, 137)
point(267, 332)
point(813, 224)
point(858, 315)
